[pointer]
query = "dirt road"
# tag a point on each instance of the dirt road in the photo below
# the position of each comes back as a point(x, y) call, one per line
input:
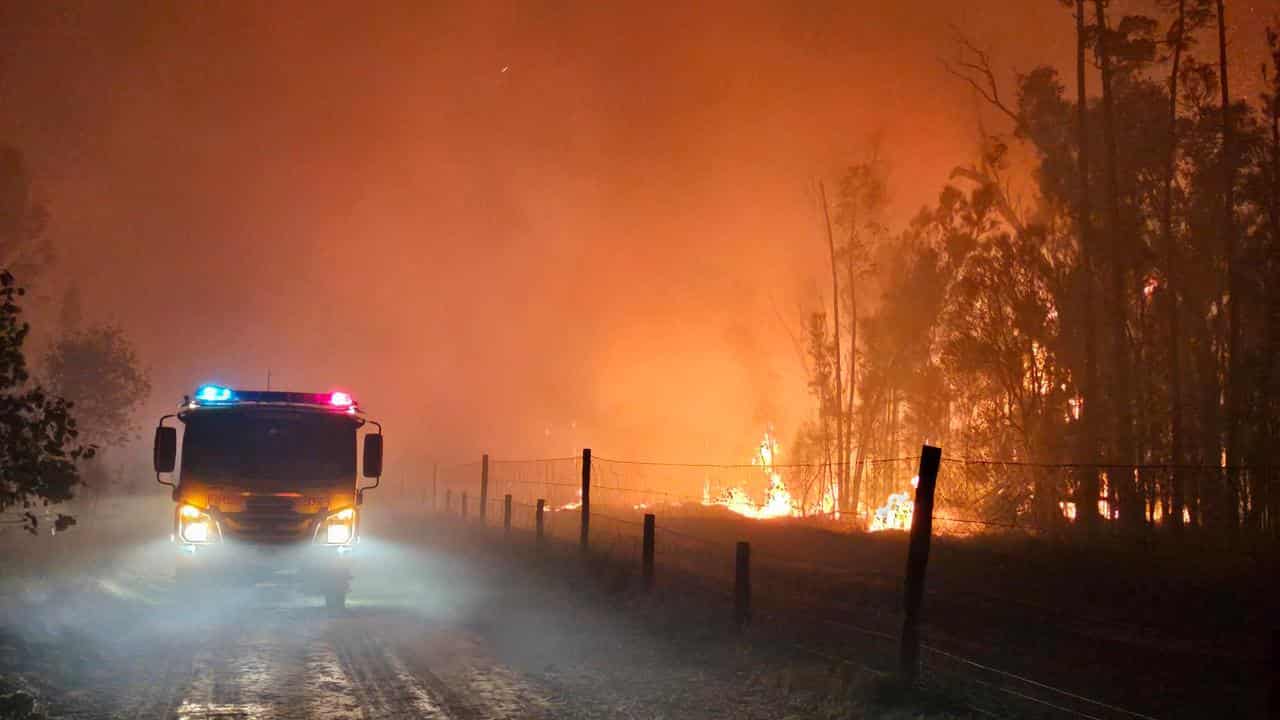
point(134, 647)
point(105, 632)
point(304, 662)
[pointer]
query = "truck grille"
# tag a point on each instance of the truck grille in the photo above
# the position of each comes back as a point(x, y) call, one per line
point(268, 519)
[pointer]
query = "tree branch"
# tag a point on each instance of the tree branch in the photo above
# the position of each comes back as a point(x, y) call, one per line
point(973, 65)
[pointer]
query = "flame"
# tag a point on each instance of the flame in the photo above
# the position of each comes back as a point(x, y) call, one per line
point(1150, 286)
point(778, 501)
point(1157, 514)
point(572, 505)
point(1070, 512)
point(896, 513)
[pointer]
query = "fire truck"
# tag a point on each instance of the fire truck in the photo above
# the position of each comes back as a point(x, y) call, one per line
point(267, 490)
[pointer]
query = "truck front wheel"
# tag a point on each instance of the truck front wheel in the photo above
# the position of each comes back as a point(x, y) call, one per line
point(334, 584)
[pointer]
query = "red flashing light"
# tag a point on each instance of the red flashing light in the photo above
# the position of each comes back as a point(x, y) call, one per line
point(340, 399)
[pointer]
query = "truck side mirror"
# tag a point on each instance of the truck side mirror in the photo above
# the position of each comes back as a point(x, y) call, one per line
point(373, 456)
point(165, 453)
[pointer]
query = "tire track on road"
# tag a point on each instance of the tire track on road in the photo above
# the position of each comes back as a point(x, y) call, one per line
point(329, 693)
point(458, 669)
point(384, 688)
point(161, 691)
point(236, 673)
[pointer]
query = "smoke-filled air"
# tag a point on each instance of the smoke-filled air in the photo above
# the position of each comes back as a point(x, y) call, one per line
point(477, 360)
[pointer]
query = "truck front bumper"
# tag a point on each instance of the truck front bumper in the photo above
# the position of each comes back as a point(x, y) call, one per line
point(294, 563)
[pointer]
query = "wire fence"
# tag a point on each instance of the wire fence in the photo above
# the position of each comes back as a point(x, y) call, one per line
point(1134, 503)
point(851, 585)
point(1230, 502)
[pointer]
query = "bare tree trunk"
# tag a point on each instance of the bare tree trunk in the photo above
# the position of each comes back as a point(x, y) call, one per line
point(835, 310)
point(1121, 390)
point(1090, 487)
point(1274, 113)
point(1208, 366)
point(1234, 385)
point(864, 439)
point(895, 414)
point(1171, 278)
point(1273, 207)
point(860, 471)
point(846, 494)
point(1270, 381)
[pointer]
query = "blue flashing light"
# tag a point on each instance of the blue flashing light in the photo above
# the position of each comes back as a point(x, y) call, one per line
point(213, 393)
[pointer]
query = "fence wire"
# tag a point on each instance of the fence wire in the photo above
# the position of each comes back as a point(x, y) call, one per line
point(854, 592)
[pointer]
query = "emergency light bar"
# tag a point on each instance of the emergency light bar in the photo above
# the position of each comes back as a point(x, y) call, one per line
point(213, 393)
point(218, 395)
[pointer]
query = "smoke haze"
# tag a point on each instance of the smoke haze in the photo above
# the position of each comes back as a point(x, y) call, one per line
point(523, 229)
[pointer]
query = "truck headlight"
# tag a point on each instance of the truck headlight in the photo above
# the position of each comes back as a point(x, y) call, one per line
point(195, 526)
point(339, 528)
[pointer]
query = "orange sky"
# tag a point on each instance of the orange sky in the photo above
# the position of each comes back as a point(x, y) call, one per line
point(585, 248)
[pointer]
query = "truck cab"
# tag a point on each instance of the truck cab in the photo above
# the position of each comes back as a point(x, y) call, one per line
point(267, 488)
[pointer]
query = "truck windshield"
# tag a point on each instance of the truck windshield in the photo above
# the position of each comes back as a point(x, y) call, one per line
point(273, 452)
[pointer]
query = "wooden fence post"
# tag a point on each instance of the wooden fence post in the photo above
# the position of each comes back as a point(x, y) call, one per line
point(586, 500)
point(435, 477)
point(448, 500)
point(537, 521)
point(918, 560)
point(742, 586)
point(646, 554)
point(464, 504)
point(1274, 710)
point(484, 486)
point(506, 515)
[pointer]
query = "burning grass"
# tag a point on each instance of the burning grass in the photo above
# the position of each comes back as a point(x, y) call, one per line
point(779, 502)
point(820, 499)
